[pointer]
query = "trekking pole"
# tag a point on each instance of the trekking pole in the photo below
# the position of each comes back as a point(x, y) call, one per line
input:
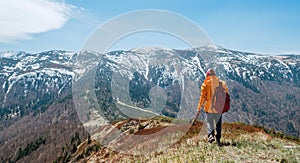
point(197, 115)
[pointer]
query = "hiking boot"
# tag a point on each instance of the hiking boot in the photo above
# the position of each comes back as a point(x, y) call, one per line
point(211, 139)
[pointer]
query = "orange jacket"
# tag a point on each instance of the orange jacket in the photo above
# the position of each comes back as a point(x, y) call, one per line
point(207, 90)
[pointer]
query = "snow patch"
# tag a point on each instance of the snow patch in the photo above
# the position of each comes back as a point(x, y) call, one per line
point(8, 54)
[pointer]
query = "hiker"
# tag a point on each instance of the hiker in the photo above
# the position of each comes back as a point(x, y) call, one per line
point(208, 89)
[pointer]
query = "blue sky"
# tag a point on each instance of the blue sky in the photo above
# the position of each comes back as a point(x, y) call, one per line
point(261, 26)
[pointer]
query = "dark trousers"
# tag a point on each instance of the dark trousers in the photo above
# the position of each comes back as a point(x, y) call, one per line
point(212, 118)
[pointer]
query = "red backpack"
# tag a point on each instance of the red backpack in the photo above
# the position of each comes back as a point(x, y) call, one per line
point(221, 99)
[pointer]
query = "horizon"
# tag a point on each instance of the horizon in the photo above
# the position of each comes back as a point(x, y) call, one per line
point(150, 46)
point(269, 28)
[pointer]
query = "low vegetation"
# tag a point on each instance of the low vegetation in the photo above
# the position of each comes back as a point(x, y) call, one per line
point(30, 147)
point(240, 143)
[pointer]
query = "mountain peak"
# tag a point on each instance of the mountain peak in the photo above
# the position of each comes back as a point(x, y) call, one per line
point(212, 46)
point(12, 54)
point(148, 49)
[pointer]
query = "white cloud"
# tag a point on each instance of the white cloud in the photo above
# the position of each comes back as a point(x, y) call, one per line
point(21, 18)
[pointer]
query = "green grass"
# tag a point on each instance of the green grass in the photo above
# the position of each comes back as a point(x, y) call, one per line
point(163, 119)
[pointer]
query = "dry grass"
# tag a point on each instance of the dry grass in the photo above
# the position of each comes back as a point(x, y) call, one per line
point(242, 143)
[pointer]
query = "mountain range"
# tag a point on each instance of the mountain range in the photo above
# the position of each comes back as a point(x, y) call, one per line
point(50, 88)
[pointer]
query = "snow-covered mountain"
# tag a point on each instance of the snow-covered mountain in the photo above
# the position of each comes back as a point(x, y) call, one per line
point(264, 89)
point(32, 81)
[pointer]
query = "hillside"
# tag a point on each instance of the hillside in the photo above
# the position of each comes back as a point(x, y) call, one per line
point(42, 137)
point(240, 143)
